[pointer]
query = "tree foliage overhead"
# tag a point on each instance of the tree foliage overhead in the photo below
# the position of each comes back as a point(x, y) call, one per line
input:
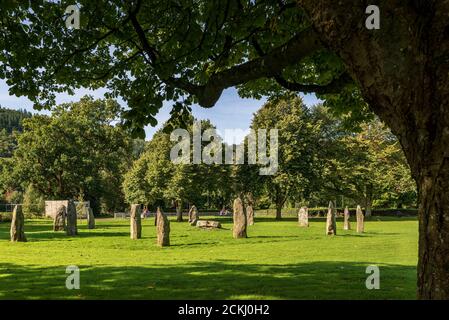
point(150, 51)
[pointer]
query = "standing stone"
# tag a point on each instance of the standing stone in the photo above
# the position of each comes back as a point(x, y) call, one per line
point(239, 217)
point(72, 228)
point(303, 217)
point(250, 214)
point(250, 210)
point(163, 229)
point(208, 224)
point(360, 218)
point(90, 218)
point(17, 225)
point(136, 222)
point(331, 220)
point(347, 224)
point(59, 221)
point(193, 215)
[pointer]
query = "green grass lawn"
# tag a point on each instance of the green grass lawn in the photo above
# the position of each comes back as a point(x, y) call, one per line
point(279, 260)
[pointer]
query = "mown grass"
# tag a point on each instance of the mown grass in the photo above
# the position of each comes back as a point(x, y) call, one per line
point(279, 260)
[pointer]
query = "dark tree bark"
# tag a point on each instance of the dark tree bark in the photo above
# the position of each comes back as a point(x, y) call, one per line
point(278, 211)
point(402, 70)
point(280, 197)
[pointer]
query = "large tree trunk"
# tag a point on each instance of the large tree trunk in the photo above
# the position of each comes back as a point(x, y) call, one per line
point(402, 70)
point(433, 258)
point(279, 211)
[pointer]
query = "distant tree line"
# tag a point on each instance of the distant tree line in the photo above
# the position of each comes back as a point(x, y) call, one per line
point(82, 151)
point(320, 158)
point(11, 120)
point(10, 126)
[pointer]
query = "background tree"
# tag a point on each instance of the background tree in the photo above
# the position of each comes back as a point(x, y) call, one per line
point(150, 175)
point(73, 151)
point(297, 155)
point(374, 165)
point(155, 180)
point(11, 120)
point(33, 202)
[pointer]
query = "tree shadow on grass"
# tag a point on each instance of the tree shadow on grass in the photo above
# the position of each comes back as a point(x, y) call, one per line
point(209, 280)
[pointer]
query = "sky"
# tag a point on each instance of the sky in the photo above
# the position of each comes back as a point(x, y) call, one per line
point(231, 112)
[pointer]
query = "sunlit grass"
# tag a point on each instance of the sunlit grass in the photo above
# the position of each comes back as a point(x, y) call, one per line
point(279, 260)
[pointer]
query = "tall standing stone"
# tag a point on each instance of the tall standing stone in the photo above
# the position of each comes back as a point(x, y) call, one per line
point(136, 222)
point(163, 229)
point(360, 220)
point(193, 215)
point(72, 227)
point(17, 225)
point(250, 210)
point(347, 224)
point(303, 217)
point(331, 220)
point(239, 217)
point(90, 218)
point(59, 220)
point(250, 214)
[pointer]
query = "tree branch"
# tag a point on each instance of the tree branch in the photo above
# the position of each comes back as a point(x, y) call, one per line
point(152, 53)
point(269, 65)
point(334, 86)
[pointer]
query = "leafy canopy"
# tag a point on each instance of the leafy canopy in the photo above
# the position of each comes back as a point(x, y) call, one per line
point(182, 51)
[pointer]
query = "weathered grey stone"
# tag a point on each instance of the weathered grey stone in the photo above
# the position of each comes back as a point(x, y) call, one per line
point(360, 220)
point(208, 224)
point(303, 217)
point(250, 209)
point(72, 227)
point(17, 225)
point(90, 219)
point(346, 224)
point(163, 229)
point(239, 217)
point(59, 220)
point(135, 222)
point(331, 220)
point(193, 215)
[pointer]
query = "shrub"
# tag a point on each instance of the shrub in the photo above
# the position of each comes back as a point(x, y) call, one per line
point(33, 202)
